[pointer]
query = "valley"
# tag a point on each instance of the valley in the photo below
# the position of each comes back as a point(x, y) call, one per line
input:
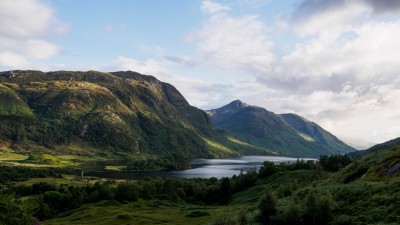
point(126, 148)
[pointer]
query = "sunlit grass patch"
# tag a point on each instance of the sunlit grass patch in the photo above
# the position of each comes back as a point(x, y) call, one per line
point(11, 156)
point(219, 150)
point(115, 168)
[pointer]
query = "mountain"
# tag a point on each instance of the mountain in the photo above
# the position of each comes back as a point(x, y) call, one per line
point(287, 134)
point(104, 115)
point(316, 133)
point(386, 145)
point(357, 143)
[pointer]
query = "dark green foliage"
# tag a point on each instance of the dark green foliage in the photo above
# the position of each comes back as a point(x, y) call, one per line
point(14, 211)
point(224, 219)
point(225, 191)
point(10, 174)
point(267, 169)
point(124, 217)
point(334, 163)
point(197, 213)
point(267, 206)
point(126, 192)
point(293, 213)
point(244, 181)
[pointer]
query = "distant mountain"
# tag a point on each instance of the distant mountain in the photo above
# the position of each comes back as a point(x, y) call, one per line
point(120, 114)
point(386, 145)
point(357, 143)
point(287, 134)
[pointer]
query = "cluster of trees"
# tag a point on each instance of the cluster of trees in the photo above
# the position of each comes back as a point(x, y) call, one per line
point(54, 199)
point(312, 209)
point(334, 163)
point(12, 174)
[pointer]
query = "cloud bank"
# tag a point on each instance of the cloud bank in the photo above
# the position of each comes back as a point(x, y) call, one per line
point(342, 72)
point(25, 27)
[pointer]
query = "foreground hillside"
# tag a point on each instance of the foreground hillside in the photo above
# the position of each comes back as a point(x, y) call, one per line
point(287, 134)
point(365, 191)
point(54, 117)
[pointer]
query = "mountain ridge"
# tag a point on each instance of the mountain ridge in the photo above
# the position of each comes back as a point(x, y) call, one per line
point(288, 134)
point(123, 114)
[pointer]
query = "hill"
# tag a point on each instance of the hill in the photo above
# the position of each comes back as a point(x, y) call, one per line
point(287, 134)
point(116, 115)
point(378, 147)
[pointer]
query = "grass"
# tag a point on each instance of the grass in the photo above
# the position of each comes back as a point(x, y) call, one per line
point(250, 147)
point(11, 103)
point(115, 168)
point(232, 139)
point(143, 212)
point(12, 156)
point(306, 137)
point(65, 180)
point(219, 149)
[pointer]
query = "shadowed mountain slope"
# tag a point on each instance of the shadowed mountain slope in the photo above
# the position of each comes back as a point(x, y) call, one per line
point(287, 134)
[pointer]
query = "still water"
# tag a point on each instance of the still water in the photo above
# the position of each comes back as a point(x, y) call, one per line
point(202, 168)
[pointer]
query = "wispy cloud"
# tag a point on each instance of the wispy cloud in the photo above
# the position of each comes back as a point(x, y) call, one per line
point(210, 7)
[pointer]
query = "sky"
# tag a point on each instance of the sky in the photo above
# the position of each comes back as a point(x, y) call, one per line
point(334, 62)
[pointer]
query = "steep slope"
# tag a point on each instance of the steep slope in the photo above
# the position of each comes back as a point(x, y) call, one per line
point(120, 113)
point(312, 130)
point(375, 164)
point(378, 147)
point(266, 129)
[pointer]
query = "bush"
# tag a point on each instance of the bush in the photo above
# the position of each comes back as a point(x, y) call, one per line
point(197, 213)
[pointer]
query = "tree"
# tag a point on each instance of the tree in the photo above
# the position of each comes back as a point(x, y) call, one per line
point(326, 206)
point(126, 192)
point(14, 211)
point(293, 213)
point(319, 210)
point(267, 169)
point(267, 206)
point(311, 208)
point(225, 190)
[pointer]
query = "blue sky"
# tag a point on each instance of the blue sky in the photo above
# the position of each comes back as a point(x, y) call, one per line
point(334, 62)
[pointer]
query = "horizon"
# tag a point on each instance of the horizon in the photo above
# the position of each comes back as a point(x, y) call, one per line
point(331, 62)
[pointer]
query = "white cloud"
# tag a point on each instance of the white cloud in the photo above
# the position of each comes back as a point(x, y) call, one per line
point(230, 42)
point(10, 59)
point(210, 7)
point(150, 66)
point(40, 49)
point(24, 28)
point(342, 72)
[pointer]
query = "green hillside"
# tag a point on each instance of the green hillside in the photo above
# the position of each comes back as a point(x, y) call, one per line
point(306, 128)
point(366, 191)
point(119, 115)
point(286, 134)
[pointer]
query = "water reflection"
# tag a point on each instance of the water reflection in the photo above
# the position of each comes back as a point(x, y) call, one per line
point(203, 168)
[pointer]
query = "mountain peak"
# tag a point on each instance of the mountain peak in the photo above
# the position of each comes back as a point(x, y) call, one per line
point(238, 104)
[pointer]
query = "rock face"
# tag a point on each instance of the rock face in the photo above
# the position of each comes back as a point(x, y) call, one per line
point(116, 112)
point(287, 134)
